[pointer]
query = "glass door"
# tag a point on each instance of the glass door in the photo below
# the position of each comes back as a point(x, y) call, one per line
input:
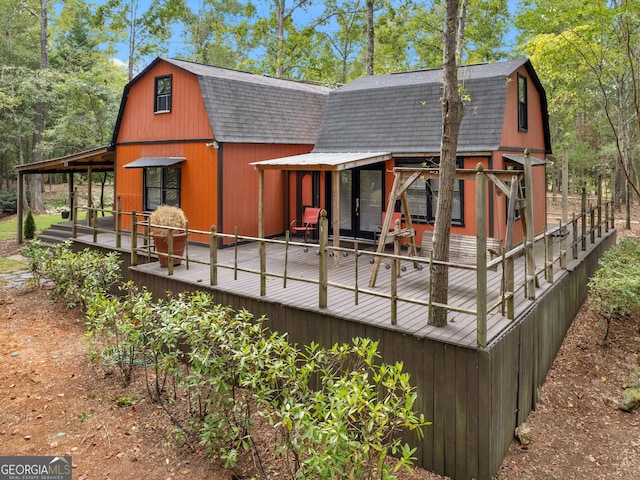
point(361, 192)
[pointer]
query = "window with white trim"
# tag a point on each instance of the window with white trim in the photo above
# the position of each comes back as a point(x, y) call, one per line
point(163, 94)
point(523, 121)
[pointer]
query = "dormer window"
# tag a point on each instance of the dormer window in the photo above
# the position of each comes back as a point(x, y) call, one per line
point(162, 94)
point(523, 123)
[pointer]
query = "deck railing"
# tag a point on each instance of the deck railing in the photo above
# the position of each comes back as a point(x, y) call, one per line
point(572, 236)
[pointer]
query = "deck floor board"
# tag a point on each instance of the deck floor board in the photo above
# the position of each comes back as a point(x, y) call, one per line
point(371, 309)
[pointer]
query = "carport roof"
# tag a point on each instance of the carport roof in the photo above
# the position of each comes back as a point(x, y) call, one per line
point(98, 159)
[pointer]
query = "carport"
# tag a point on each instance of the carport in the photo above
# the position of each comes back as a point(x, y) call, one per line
point(101, 159)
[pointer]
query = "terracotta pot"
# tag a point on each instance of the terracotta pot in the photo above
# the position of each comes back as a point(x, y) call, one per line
point(162, 246)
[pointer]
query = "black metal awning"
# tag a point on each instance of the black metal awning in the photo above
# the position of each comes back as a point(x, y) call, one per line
point(146, 162)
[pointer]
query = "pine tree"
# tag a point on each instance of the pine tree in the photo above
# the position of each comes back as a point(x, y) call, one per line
point(29, 226)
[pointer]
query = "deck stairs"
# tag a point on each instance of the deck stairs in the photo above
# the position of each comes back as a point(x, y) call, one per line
point(57, 233)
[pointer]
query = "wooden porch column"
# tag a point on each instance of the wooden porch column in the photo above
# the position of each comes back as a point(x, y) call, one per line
point(20, 206)
point(481, 250)
point(70, 186)
point(89, 194)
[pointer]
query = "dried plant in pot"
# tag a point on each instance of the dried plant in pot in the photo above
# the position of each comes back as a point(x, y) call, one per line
point(175, 219)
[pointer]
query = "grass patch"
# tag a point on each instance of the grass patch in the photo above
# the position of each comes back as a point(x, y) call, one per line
point(8, 227)
point(11, 266)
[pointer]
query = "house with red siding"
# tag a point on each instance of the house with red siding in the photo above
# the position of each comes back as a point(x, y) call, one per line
point(194, 135)
point(187, 133)
point(380, 122)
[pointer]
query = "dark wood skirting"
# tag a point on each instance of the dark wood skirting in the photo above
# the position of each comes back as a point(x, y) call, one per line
point(474, 396)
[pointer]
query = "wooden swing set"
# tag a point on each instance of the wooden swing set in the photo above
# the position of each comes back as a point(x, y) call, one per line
point(462, 247)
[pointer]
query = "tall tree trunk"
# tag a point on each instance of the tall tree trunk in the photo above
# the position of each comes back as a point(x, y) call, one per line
point(460, 33)
point(280, 17)
point(35, 183)
point(370, 38)
point(452, 111)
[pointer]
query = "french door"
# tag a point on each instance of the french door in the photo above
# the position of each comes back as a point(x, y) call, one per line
point(361, 196)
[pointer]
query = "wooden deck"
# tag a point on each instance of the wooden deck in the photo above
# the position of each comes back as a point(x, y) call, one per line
point(474, 395)
point(371, 306)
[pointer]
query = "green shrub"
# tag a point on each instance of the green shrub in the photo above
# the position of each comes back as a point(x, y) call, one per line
point(336, 413)
point(8, 202)
point(614, 289)
point(29, 226)
point(35, 253)
point(116, 328)
point(76, 277)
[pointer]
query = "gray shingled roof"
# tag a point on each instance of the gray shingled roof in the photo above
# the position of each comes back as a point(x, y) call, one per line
point(402, 112)
point(248, 108)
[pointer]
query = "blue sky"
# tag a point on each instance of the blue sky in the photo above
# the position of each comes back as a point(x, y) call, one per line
point(176, 44)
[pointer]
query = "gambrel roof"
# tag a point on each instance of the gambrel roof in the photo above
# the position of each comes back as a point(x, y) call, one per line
point(402, 112)
point(247, 108)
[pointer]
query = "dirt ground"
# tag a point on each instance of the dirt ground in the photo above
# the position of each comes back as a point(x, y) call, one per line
point(55, 403)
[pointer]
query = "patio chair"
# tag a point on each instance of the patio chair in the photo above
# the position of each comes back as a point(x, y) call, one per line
point(309, 222)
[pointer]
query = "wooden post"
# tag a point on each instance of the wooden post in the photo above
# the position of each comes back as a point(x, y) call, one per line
point(213, 257)
point(118, 222)
point(262, 246)
point(322, 264)
point(396, 247)
point(356, 254)
point(335, 205)
point(548, 250)
point(599, 206)
point(74, 214)
point(510, 283)
point(134, 238)
point(565, 185)
point(89, 193)
point(186, 245)
point(235, 253)
point(71, 195)
point(385, 228)
point(574, 224)
point(613, 216)
point(395, 267)
point(563, 244)
point(481, 250)
point(170, 253)
point(20, 208)
point(529, 228)
point(94, 220)
point(287, 239)
point(583, 216)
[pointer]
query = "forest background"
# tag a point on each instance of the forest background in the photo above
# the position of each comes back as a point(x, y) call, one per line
point(63, 64)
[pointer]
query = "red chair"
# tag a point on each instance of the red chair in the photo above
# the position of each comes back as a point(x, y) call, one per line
point(309, 222)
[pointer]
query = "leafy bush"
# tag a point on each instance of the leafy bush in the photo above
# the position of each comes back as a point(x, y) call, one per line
point(336, 413)
point(8, 202)
point(77, 277)
point(114, 328)
point(29, 226)
point(615, 287)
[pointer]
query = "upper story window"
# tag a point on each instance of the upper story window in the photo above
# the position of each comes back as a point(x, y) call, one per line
point(162, 94)
point(523, 123)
